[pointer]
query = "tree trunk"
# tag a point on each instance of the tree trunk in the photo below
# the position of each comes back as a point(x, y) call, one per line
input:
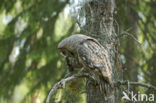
point(99, 24)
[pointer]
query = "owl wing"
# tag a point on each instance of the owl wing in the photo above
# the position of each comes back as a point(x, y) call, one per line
point(94, 56)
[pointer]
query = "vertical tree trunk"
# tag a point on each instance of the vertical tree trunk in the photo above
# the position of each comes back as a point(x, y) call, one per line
point(99, 24)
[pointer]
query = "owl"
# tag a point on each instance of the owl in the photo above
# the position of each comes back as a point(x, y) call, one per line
point(88, 53)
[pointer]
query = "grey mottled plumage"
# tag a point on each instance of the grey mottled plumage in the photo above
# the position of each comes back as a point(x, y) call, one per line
point(89, 53)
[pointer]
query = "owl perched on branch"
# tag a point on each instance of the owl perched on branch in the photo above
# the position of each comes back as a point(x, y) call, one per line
point(88, 53)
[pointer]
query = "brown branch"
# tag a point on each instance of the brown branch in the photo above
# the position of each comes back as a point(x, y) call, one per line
point(130, 35)
point(135, 83)
point(61, 84)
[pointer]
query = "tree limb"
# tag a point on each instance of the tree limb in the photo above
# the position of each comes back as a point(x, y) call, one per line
point(130, 35)
point(135, 83)
point(62, 83)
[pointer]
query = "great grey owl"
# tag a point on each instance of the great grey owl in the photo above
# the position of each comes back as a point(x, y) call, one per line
point(87, 52)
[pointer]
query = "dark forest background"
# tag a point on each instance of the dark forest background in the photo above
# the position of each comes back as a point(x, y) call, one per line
point(30, 31)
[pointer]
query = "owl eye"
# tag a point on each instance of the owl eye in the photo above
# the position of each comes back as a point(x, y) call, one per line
point(63, 52)
point(72, 54)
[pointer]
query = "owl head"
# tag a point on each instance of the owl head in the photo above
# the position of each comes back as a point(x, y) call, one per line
point(65, 48)
point(68, 46)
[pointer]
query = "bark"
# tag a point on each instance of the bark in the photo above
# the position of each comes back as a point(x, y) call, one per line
point(99, 24)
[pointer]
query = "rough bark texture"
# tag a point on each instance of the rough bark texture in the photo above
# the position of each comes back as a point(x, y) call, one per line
point(99, 24)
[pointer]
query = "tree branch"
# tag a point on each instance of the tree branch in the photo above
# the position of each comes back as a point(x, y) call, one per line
point(62, 83)
point(130, 35)
point(135, 83)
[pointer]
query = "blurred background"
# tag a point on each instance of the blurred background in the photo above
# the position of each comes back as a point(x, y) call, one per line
point(30, 31)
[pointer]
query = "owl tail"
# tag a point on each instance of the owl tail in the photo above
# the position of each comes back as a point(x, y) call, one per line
point(105, 87)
